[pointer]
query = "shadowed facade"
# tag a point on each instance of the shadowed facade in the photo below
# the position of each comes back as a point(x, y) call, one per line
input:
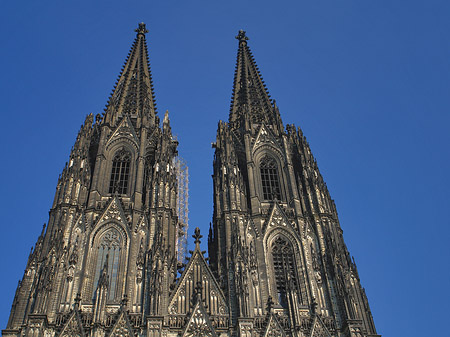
point(109, 261)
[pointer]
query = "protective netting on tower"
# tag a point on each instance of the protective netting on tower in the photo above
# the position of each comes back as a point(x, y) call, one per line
point(182, 205)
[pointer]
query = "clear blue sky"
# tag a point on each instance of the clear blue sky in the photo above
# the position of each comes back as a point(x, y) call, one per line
point(368, 82)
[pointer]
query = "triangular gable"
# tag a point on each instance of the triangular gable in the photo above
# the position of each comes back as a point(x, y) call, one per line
point(319, 329)
point(277, 218)
point(152, 138)
point(252, 229)
point(73, 326)
point(274, 328)
point(114, 211)
point(142, 223)
point(199, 323)
point(196, 262)
point(125, 129)
point(81, 222)
point(122, 327)
point(265, 136)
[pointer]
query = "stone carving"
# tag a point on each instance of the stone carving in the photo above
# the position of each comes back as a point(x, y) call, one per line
point(199, 324)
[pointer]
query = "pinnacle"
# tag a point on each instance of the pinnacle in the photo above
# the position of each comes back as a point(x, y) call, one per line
point(141, 29)
point(197, 236)
point(242, 37)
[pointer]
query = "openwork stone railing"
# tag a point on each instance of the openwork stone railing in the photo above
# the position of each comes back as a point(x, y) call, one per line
point(179, 321)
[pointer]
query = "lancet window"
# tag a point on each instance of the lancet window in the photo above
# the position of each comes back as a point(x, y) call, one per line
point(109, 256)
point(270, 179)
point(120, 172)
point(284, 268)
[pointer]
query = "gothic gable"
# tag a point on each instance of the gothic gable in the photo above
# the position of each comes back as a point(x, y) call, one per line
point(81, 223)
point(199, 323)
point(319, 329)
point(197, 273)
point(265, 137)
point(73, 326)
point(124, 130)
point(278, 218)
point(274, 328)
point(252, 230)
point(141, 224)
point(122, 327)
point(114, 211)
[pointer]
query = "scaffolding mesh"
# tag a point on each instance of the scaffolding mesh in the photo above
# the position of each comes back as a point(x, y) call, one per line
point(182, 205)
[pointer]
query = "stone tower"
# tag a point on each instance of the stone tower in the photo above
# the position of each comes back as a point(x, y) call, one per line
point(109, 264)
point(276, 245)
point(110, 246)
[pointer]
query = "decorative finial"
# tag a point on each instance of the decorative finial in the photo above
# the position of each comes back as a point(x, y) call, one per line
point(241, 36)
point(141, 29)
point(166, 117)
point(197, 236)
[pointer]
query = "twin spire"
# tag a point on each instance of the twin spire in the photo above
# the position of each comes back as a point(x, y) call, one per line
point(133, 93)
point(250, 100)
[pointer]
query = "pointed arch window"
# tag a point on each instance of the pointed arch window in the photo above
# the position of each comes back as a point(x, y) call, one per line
point(270, 179)
point(109, 251)
point(284, 269)
point(120, 172)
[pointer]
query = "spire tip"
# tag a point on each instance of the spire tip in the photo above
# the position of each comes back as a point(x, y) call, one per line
point(241, 36)
point(141, 29)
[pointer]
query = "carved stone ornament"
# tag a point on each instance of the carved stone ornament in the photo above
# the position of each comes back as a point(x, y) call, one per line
point(113, 212)
point(199, 325)
point(274, 328)
point(264, 137)
point(124, 130)
point(319, 329)
point(122, 327)
point(73, 327)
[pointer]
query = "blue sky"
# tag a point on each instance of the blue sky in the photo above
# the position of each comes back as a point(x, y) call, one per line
point(367, 81)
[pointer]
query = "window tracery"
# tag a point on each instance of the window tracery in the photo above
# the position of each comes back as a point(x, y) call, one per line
point(120, 172)
point(284, 269)
point(270, 179)
point(109, 248)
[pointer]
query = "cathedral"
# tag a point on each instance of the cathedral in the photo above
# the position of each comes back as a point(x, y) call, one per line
point(110, 262)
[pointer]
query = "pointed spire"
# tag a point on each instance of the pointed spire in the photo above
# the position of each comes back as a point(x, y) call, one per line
point(251, 100)
point(133, 93)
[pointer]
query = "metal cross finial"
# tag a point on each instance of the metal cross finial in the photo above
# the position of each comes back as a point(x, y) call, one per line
point(197, 236)
point(141, 29)
point(241, 36)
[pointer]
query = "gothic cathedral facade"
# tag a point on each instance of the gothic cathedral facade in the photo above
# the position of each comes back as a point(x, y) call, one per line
point(109, 264)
